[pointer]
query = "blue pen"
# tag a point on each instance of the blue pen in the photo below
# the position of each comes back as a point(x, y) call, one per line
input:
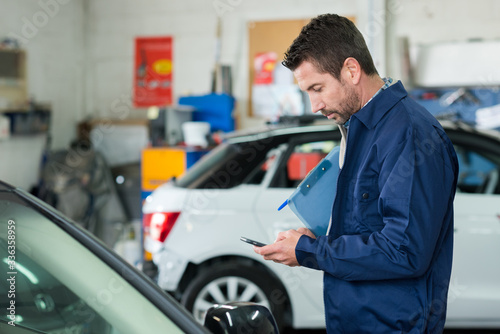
point(283, 205)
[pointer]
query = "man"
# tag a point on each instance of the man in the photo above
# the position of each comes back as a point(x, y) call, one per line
point(388, 253)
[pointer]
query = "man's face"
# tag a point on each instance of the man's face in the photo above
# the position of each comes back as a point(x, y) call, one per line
point(335, 99)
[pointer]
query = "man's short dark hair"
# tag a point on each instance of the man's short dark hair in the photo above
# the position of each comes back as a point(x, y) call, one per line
point(327, 41)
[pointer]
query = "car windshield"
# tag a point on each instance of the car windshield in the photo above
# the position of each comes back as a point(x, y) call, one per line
point(55, 284)
point(210, 162)
point(227, 165)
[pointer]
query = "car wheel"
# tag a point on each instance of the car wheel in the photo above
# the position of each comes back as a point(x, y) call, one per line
point(234, 281)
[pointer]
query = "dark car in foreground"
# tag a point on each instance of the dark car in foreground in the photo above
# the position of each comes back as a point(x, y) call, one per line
point(58, 278)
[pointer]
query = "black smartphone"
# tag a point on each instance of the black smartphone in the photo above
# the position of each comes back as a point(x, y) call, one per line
point(252, 242)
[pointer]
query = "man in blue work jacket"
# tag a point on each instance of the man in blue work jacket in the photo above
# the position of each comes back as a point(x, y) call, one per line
point(388, 253)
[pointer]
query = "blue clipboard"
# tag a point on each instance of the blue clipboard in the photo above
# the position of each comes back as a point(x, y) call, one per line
point(312, 201)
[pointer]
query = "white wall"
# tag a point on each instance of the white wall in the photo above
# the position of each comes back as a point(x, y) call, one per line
point(113, 24)
point(51, 32)
point(430, 21)
point(81, 58)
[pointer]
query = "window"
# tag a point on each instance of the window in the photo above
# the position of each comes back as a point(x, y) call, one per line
point(256, 176)
point(59, 286)
point(478, 171)
point(301, 159)
point(228, 166)
point(42, 302)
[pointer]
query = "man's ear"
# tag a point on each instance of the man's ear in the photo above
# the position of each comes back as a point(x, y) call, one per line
point(351, 71)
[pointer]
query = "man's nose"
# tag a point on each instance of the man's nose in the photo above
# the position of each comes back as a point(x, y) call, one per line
point(316, 104)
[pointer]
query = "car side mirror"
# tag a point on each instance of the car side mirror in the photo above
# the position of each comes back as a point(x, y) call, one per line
point(241, 318)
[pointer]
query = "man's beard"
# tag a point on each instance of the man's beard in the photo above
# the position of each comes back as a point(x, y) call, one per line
point(347, 108)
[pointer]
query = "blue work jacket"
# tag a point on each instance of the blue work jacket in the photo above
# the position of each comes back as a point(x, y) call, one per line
point(387, 258)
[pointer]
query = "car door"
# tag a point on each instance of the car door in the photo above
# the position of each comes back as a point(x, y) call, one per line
point(300, 156)
point(474, 295)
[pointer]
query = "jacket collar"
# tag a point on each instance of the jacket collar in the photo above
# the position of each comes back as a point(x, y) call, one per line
point(373, 111)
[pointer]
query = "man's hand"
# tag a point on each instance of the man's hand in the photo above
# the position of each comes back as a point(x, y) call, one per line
point(283, 249)
point(306, 231)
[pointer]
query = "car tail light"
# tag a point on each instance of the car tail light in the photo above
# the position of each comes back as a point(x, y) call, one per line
point(159, 224)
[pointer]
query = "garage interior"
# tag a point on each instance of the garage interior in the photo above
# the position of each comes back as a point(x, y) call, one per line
point(87, 128)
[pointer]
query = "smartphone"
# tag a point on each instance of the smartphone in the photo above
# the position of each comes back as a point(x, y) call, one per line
point(252, 242)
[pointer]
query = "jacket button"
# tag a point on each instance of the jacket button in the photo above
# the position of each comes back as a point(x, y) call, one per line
point(366, 195)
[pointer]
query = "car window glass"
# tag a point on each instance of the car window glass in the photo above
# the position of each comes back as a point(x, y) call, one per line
point(479, 172)
point(302, 158)
point(43, 302)
point(256, 176)
point(56, 285)
point(227, 166)
point(207, 164)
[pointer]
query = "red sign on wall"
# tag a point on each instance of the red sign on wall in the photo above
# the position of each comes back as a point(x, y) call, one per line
point(264, 64)
point(153, 71)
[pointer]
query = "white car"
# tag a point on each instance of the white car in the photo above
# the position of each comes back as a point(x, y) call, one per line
point(193, 225)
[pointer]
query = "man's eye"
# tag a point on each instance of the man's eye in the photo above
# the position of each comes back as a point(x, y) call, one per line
point(316, 90)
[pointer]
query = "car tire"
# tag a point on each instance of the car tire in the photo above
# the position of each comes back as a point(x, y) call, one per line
point(234, 281)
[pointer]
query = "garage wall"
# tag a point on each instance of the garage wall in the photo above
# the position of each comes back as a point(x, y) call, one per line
point(427, 21)
point(81, 51)
point(113, 24)
point(52, 33)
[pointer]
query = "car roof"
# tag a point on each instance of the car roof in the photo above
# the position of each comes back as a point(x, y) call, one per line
point(287, 130)
point(276, 130)
point(466, 127)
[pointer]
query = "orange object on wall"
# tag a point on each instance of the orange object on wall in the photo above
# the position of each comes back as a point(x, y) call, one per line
point(161, 164)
